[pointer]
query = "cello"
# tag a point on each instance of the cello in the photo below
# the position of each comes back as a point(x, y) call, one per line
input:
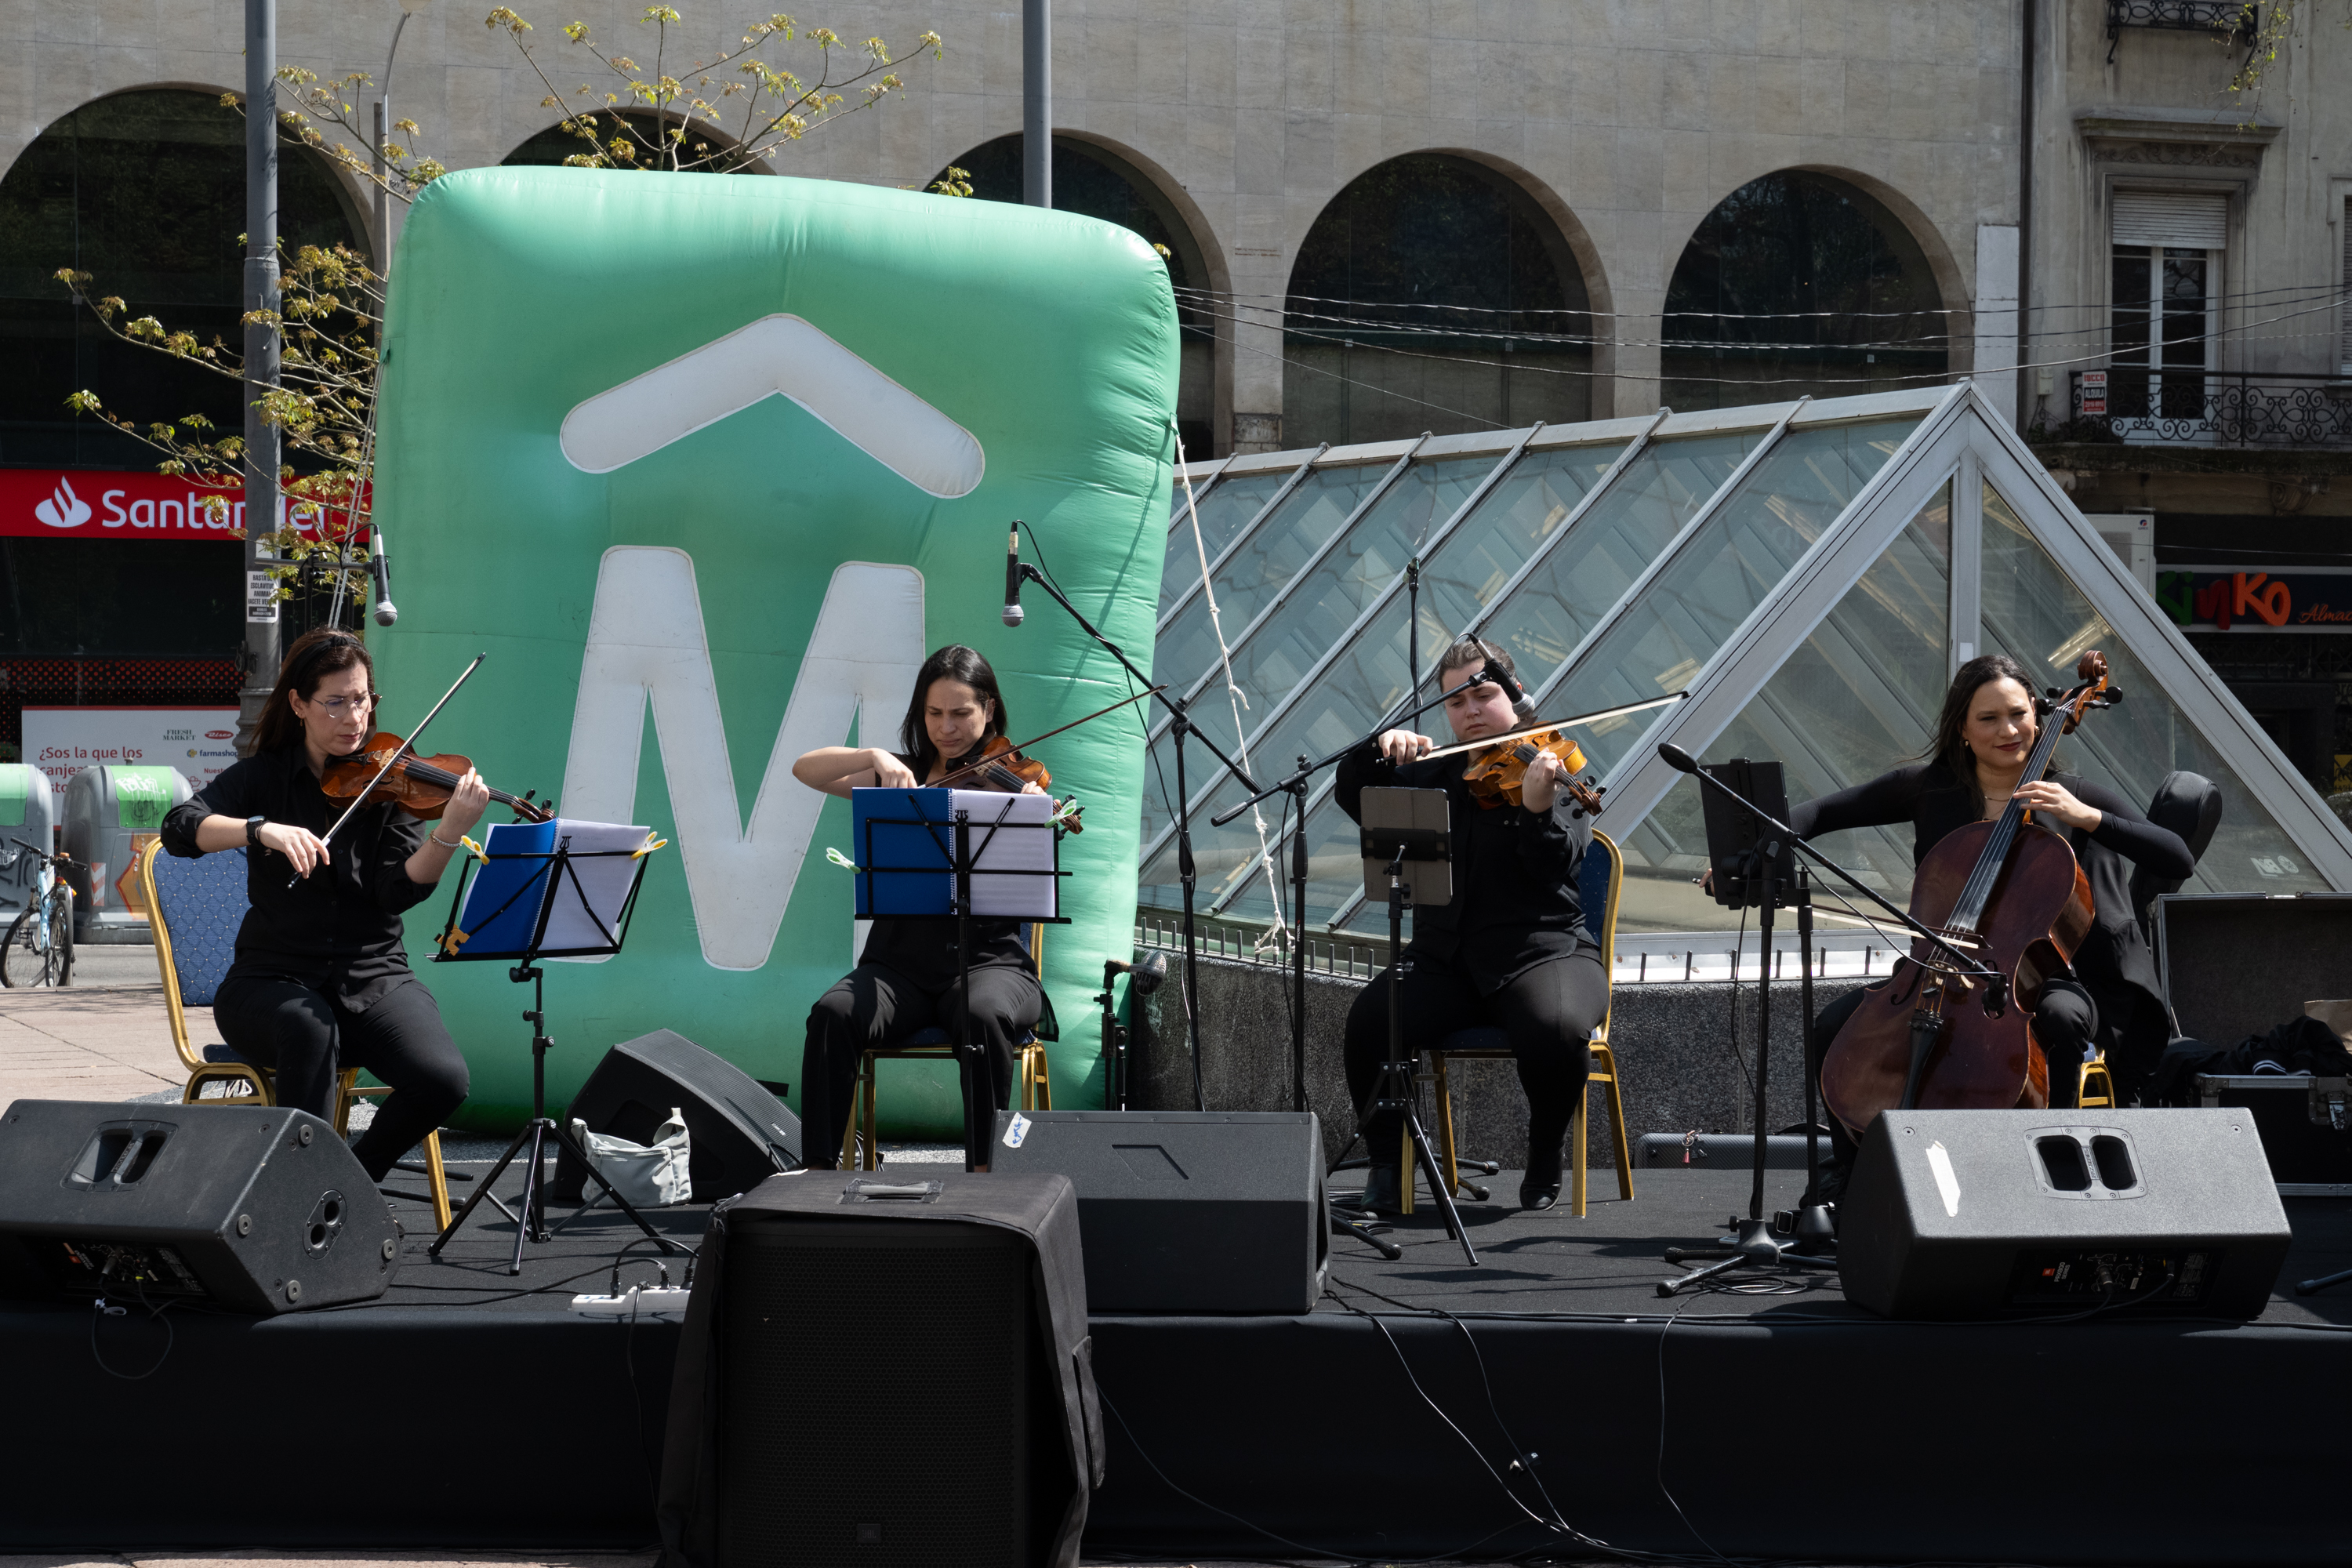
point(2007, 892)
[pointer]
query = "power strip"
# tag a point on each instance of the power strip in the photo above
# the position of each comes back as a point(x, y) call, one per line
point(662, 1302)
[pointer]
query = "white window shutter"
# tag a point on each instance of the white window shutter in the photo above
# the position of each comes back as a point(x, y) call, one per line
point(2177, 220)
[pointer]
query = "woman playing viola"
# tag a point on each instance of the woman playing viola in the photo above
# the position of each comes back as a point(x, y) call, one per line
point(1974, 767)
point(321, 983)
point(907, 979)
point(1511, 951)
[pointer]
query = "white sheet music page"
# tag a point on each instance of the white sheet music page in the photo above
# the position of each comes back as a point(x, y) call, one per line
point(1011, 834)
point(604, 882)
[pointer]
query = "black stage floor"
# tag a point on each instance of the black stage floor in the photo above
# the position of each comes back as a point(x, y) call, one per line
point(465, 1408)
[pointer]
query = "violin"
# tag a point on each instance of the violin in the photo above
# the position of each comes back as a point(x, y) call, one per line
point(423, 784)
point(1000, 766)
point(1495, 775)
point(2007, 892)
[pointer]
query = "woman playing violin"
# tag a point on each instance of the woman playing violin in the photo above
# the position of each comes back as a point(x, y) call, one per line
point(908, 978)
point(1973, 768)
point(321, 982)
point(1511, 950)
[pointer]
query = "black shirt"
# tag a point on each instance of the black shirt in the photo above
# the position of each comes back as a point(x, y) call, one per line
point(924, 950)
point(338, 930)
point(1515, 871)
point(1935, 803)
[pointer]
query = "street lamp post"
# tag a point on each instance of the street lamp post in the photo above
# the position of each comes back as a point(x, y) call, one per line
point(260, 293)
point(1037, 102)
point(382, 134)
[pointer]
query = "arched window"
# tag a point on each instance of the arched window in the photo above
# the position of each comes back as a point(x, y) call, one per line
point(1432, 294)
point(556, 144)
point(1800, 283)
point(1095, 182)
point(144, 191)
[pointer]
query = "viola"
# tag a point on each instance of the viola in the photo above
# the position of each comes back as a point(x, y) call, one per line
point(1496, 775)
point(1000, 766)
point(2008, 893)
point(423, 784)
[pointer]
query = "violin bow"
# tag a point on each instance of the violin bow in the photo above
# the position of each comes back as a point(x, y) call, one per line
point(1538, 729)
point(399, 752)
point(975, 767)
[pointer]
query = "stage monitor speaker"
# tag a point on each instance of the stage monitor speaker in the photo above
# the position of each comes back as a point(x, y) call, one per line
point(1979, 1214)
point(249, 1208)
point(884, 1371)
point(742, 1134)
point(1186, 1211)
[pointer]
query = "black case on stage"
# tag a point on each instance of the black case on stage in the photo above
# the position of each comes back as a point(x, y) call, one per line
point(740, 1134)
point(1981, 1214)
point(250, 1208)
point(1186, 1211)
point(2239, 963)
point(880, 1370)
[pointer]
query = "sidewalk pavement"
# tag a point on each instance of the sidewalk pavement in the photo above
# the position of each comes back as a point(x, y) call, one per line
point(102, 1037)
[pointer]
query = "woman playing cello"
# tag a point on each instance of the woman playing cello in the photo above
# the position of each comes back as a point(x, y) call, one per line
point(907, 979)
point(1974, 767)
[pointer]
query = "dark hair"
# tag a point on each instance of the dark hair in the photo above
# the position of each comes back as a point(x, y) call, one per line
point(1470, 648)
point(314, 657)
point(1947, 746)
point(953, 662)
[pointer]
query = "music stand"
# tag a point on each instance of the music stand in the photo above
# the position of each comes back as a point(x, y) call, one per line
point(922, 843)
point(530, 902)
point(1408, 859)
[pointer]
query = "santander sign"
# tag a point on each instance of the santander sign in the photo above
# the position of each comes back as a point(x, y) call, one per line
point(80, 503)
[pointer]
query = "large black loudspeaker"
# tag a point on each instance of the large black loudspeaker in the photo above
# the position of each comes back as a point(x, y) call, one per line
point(1977, 1214)
point(742, 1134)
point(255, 1209)
point(1186, 1211)
point(884, 1372)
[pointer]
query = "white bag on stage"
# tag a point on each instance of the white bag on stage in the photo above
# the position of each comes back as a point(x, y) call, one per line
point(647, 1177)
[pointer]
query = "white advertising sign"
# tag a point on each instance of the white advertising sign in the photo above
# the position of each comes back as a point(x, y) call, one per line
point(61, 741)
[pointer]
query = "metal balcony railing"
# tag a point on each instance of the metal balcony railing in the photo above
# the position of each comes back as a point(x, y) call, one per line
point(2135, 404)
point(2233, 19)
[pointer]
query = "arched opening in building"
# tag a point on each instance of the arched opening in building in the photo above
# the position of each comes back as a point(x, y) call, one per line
point(646, 132)
point(1095, 182)
point(1800, 282)
point(145, 192)
point(1432, 294)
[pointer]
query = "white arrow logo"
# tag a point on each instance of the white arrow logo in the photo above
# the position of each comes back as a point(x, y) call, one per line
point(776, 356)
point(63, 509)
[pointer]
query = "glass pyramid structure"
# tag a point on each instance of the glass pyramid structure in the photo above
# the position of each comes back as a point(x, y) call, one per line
point(1811, 574)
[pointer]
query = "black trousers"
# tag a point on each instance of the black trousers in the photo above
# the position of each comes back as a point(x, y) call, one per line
point(1547, 1015)
point(2064, 1023)
point(306, 1039)
point(877, 1005)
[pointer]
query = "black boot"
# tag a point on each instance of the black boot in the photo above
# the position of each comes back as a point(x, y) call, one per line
point(1539, 1189)
point(1383, 1189)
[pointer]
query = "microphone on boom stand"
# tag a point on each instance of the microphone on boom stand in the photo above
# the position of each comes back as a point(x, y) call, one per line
point(1013, 612)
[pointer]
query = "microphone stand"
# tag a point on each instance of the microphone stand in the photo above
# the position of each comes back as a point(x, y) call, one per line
point(1180, 725)
point(1756, 1245)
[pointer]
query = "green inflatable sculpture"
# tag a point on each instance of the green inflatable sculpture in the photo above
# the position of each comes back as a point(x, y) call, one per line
point(708, 465)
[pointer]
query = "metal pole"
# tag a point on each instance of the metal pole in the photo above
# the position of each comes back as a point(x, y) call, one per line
point(382, 134)
point(1037, 102)
point(261, 645)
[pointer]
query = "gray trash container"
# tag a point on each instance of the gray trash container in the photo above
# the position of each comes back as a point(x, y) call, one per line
point(112, 814)
point(26, 817)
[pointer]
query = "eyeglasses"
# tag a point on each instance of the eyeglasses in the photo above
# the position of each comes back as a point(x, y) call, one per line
point(337, 707)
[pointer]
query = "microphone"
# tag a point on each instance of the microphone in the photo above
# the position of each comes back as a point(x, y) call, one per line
point(380, 568)
point(1521, 708)
point(1675, 757)
point(1013, 612)
point(1145, 973)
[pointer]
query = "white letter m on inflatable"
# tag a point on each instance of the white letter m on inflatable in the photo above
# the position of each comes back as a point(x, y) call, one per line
point(647, 642)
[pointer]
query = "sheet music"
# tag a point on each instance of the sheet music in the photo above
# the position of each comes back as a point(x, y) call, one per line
point(520, 877)
point(604, 882)
point(1024, 843)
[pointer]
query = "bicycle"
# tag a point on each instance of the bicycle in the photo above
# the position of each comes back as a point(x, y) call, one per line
point(39, 949)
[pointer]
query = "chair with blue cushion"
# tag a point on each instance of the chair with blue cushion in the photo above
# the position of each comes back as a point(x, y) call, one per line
point(1034, 1090)
point(1601, 878)
point(195, 907)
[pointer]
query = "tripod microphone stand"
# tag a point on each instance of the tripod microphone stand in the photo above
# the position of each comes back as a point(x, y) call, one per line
point(1751, 828)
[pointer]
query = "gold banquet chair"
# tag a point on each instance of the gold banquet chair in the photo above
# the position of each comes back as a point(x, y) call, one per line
point(1601, 879)
point(1033, 1087)
point(195, 907)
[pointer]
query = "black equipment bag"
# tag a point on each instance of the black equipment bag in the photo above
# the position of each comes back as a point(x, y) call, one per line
point(248, 1208)
point(740, 1134)
point(1979, 1214)
point(1186, 1211)
point(877, 1372)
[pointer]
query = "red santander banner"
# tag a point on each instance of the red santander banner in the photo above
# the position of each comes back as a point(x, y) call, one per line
point(80, 503)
